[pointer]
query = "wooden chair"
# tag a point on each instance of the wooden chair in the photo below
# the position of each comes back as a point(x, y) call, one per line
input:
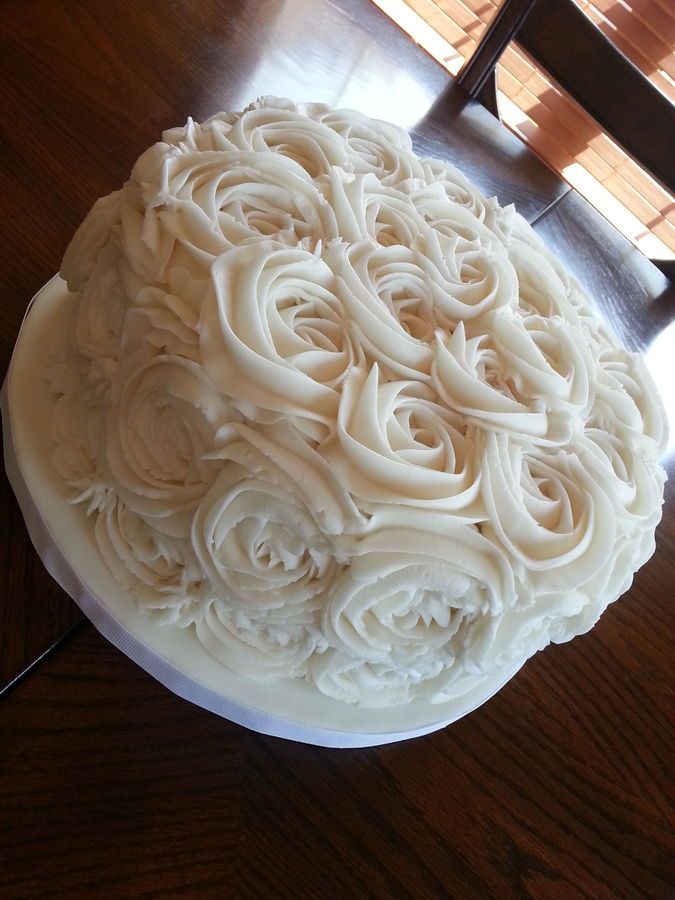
point(578, 56)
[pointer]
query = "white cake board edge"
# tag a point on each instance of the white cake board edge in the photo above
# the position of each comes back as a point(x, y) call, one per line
point(255, 705)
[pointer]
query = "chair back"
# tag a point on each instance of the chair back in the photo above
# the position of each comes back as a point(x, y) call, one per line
point(585, 63)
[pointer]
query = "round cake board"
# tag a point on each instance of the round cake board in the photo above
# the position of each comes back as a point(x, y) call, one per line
point(63, 537)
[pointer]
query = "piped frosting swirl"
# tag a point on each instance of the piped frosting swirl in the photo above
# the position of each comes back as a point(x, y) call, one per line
point(344, 416)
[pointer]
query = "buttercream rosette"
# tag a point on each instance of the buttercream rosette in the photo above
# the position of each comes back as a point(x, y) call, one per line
point(344, 416)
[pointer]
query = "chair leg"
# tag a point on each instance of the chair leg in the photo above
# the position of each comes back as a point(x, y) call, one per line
point(500, 32)
point(667, 266)
point(487, 95)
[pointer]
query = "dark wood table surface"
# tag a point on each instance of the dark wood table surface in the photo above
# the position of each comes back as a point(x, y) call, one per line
point(110, 785)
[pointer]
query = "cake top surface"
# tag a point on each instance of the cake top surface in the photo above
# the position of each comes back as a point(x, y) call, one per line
point(344, 416)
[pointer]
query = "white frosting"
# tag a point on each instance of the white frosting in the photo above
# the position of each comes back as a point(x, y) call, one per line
point(344, 416)
point(274, 334)
point(395, 445)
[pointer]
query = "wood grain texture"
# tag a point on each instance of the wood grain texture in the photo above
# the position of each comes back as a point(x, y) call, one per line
point(110, 786)
point(556, 788)
point(85, 87)
point(34, 612)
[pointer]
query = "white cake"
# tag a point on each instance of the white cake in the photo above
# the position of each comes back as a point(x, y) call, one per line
point(341, 415)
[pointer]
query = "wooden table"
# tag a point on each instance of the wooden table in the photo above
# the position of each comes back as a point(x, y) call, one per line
point(112, 786)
